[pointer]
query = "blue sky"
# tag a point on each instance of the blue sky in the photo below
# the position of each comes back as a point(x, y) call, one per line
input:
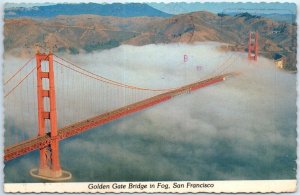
point(8, 5)
point(178, 7)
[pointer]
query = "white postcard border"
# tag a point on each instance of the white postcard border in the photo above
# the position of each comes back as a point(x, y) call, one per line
point(233, 186)
point(238, 186)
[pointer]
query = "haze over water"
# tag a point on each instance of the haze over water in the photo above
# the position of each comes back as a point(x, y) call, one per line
point(243, 128)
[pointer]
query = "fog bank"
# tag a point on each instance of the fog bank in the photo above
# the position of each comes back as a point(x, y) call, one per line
point(242, 128)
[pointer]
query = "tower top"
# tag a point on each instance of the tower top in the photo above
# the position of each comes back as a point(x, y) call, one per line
point(253, 45)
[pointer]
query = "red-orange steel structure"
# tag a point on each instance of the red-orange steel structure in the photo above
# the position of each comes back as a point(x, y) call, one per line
point(49, 153)
point(45, 139)
point(253, 46)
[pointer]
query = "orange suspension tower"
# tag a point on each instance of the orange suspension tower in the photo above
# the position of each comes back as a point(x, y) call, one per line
point(49, 168)
point(253, 46)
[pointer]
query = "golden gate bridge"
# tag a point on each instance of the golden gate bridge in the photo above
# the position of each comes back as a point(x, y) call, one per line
point(39, 122)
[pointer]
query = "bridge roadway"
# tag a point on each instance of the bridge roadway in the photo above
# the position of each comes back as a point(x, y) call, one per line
point(38, 142)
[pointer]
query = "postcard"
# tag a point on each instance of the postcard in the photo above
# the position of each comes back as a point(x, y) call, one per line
point(150, 97)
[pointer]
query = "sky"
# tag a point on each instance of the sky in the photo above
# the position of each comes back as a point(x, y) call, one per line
point(242, 128)
point(217, 7)
point(9, 5)
point(179, 8)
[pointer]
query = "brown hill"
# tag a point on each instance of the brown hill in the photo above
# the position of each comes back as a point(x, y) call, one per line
point(90, 32)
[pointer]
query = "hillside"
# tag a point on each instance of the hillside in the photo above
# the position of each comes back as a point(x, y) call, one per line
point(91, 32)
point(115, 9)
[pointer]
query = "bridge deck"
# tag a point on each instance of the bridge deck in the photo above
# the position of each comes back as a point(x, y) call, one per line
point(27, 146)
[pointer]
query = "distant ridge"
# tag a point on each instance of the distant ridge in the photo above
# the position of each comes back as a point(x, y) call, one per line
point(88, 33)
point(114, 9)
